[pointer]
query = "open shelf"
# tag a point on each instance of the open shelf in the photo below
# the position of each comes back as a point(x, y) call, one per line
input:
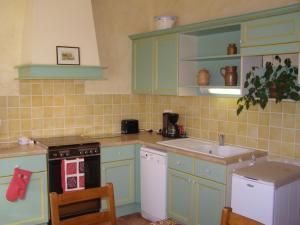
point(229, 91)
point(207, 58)
point(207, 49)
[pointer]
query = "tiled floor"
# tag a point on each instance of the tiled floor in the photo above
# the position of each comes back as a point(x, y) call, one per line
point(133, 219)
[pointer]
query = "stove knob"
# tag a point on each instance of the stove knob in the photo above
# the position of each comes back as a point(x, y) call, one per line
point(61, 154)
point(67, 154)
point(86, 152)
point(96, 151)
point(80, 152)
point(91, 151)
point(55, 154)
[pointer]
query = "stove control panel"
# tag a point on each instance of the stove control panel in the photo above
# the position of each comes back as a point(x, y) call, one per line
point(73, 151)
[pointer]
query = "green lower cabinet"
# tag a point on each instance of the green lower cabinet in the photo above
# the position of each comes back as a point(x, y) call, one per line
point(137, 174)
point(33, 209)
point(122, 175)
point(193, 200)
point(209, 200)
point(180, 196)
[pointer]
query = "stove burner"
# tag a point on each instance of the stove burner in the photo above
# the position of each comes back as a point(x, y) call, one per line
point(69, 147)
point(64, 141)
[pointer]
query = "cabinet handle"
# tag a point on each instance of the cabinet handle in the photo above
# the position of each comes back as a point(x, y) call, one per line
point(194, 182)
point(189, 180)
point(178, 163)
point(241, 41)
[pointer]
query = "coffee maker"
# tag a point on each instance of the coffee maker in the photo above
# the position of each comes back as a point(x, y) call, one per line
point(170, 127)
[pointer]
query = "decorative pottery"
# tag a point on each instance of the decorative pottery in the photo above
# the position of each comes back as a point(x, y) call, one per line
point(229, 73)
point(231, 49)
point(203, 77)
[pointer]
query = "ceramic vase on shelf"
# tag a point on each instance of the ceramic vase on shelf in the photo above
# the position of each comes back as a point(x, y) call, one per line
point(231, 49)
point(203, 77)
point(229, 73)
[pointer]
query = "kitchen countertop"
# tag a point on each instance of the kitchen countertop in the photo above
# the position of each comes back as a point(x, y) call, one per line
point(144, 138)
point(150, 139)
point(276, 173)
point(14, 150)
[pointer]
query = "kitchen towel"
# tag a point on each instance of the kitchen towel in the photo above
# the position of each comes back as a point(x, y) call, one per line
point(72, 174)
point(18, 184)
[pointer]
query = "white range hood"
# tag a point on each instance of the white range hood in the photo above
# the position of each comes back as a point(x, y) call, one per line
point(51, 23)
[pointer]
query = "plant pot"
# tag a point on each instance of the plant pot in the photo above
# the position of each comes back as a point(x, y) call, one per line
point(273, 89)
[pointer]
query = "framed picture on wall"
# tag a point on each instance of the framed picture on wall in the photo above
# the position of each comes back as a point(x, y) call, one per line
point(66, 55)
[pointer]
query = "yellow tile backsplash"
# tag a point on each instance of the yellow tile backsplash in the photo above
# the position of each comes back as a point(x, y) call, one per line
point(55, 108)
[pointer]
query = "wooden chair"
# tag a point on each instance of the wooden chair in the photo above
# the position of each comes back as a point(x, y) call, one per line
point(231, 218)
point(106, 192)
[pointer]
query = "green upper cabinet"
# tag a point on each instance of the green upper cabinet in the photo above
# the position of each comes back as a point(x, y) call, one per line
point(167, 62)
point(166, 69)
point(155, 65)
point(277, 34)
point(143, 53)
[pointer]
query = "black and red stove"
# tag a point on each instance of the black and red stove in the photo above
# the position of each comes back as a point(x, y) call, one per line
point(71, 147)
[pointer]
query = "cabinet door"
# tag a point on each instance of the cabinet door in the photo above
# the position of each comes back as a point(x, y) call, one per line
point(137, 174)
point(209, 200)
point(143, 52)
point(179, 197)
point(166, 65)
point(33, 209)
point(272, 30)
point(121, 174)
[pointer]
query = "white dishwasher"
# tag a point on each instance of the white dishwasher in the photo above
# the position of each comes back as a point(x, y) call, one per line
point(153, 184)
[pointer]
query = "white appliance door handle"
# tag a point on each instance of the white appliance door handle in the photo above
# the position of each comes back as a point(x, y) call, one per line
point(250, 185)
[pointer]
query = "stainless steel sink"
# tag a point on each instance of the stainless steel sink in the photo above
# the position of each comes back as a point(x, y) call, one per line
point(208, 148)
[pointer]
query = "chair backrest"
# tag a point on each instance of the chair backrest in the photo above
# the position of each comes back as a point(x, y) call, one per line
point(106, 192)
point(231, 218)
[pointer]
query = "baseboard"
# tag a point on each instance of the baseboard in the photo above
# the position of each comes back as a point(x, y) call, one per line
point(128, 209)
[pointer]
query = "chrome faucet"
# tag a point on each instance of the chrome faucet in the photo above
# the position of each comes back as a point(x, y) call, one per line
point(221, 139)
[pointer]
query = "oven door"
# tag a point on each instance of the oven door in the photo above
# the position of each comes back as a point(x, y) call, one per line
point(92, 179)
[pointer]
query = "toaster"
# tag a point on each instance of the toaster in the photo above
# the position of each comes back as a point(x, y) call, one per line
point(129, 126)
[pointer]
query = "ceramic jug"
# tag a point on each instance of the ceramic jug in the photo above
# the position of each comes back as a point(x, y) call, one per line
point(230, 75)
point(203, 77)
point(231, 49)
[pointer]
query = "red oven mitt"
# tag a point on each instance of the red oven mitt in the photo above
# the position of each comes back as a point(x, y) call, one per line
point(18, 185)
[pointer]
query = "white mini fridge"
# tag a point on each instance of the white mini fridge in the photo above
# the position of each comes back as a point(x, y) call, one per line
point(268, 192)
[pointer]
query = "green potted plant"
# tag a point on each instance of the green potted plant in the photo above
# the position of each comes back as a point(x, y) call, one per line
point(279, 82)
